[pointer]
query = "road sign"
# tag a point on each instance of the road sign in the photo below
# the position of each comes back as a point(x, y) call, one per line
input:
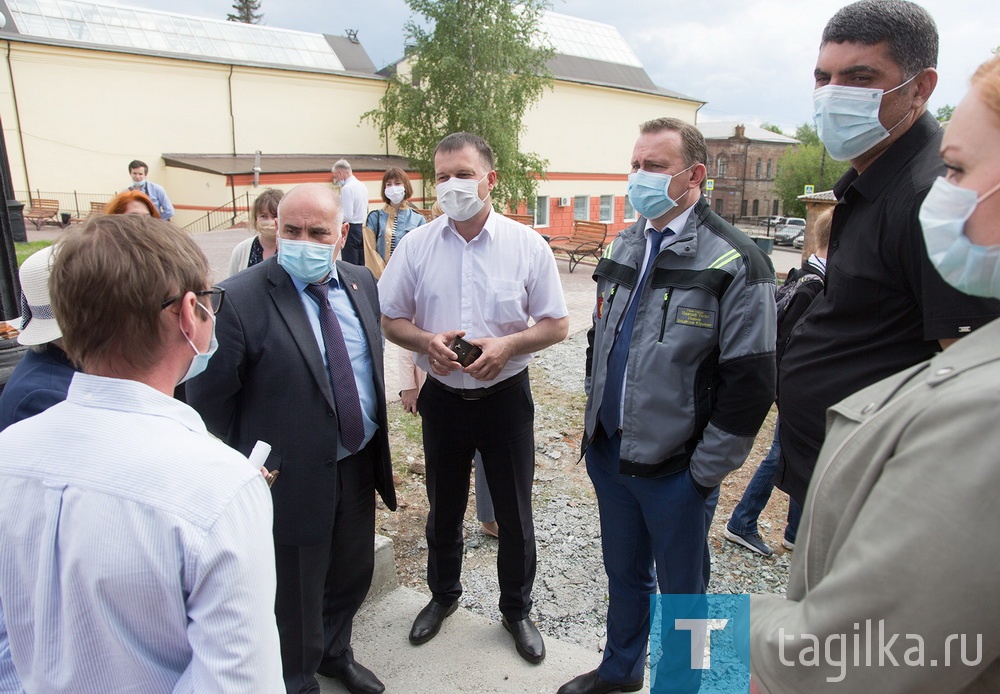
point(710, 184)
point(810, 190)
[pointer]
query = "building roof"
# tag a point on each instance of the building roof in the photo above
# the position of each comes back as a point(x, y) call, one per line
point(147, 31)
point(230, 165)
point(590, 52)
point(723, 130)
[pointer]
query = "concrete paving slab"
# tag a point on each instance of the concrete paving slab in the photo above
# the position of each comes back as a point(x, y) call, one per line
point(470, 654)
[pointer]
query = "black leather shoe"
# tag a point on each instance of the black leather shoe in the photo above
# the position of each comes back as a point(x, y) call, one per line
point(356, 677)
point(527, 640)
point(590, 683)
point(428, 622)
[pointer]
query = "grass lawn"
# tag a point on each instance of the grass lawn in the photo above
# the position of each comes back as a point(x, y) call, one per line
point(23, 250)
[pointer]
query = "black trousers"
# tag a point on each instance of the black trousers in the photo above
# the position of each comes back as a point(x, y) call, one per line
point(320, 588)
point(354, 247)
point(501, 427)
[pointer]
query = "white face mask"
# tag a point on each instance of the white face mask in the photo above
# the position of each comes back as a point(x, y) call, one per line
point(847, 119)
point(968, 267)
point(395, 194)
point(459, 198)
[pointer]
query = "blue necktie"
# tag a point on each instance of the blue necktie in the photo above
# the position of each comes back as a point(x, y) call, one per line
point(345, 389)
point(618, 358)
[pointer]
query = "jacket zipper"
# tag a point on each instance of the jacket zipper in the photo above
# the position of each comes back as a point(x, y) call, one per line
point(663, 320)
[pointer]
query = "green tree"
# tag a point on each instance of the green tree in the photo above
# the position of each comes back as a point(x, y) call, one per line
point(772, 127)
point(478, 69)
point(246, 11)
point(805, 164)
point(806, 134)
point(944, 113)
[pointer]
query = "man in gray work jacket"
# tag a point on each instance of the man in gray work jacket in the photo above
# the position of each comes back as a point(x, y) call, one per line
point(680, 375)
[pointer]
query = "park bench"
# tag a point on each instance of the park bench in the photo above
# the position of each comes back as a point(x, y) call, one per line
point(525, 219)
point(97, 208)
point(587, 241)
point(41, 210)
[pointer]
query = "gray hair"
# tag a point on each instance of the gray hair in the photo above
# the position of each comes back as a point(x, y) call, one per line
point(342, 165)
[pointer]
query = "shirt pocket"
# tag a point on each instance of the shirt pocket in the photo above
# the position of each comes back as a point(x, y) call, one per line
point(505, 301)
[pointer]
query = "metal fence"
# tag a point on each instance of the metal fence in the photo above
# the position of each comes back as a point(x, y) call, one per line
point(232, 213)
point(75, 204)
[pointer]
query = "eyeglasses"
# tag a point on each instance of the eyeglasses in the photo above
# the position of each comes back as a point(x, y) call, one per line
point(216, 297)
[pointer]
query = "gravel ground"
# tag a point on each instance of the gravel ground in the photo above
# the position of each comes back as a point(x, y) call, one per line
point(570, 592)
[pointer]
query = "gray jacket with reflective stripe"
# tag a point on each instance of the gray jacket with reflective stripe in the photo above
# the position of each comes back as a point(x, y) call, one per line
point(700, 374)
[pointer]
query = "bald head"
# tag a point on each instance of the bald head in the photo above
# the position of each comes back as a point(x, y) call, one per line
point(311, 212)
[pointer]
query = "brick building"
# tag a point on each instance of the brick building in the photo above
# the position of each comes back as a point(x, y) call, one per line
point(742, 161)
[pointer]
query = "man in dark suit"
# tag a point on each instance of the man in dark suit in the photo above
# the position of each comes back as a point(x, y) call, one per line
point(310, 383)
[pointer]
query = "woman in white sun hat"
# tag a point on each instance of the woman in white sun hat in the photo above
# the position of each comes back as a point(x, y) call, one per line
point(42, 377)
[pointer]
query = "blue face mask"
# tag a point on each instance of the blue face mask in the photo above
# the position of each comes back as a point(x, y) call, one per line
point(649, 193)
point(969, 268)
point(847, 119)
point(306, 261)
point(200, 361)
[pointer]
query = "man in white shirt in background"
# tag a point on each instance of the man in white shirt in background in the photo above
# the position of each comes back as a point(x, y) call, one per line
point(476, 274)
point(135, 548)
point(354, 202)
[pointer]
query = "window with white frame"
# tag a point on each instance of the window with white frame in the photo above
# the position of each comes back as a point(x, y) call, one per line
point(541, 211)
point(630, 215)
point(581, 207)
point(607, 208)
point(720, 164)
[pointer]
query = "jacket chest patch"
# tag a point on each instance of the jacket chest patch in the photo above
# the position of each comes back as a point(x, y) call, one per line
point(695, 317)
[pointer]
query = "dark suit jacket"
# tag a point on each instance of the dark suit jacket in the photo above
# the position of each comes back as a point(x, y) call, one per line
point(267, 381)
point(38, 382)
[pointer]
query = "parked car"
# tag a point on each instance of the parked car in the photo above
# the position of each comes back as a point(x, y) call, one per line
point(786, 235)
point(795, 222)
point(772, 222)
point(799, 241)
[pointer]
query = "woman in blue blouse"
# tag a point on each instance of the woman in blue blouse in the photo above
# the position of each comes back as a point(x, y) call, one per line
point(391, 223)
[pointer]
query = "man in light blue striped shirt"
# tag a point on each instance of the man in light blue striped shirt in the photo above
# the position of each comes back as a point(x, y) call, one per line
point(135, 548)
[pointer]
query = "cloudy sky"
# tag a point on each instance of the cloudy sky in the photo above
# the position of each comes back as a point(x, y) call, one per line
point(751, 60)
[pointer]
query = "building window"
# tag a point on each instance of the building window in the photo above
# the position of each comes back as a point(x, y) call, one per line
point(607, 208)
point(758, 168)
point(769, 169)
point(743, 209)
point(774, 208)
point(540, 211)
point(756, 207)
point(630, 215)
point(581, 207)
point(720, 164)
point(718, 206)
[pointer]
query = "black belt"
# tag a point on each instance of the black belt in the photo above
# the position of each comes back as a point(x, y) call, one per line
point(480, 393)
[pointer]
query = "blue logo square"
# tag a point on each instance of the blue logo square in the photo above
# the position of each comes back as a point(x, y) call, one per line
point(699, 643)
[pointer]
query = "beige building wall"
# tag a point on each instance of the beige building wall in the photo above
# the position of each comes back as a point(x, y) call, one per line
point(82, 115)
point(589, 129)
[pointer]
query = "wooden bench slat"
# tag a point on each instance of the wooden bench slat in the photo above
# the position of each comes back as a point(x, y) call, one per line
point(41, 209)
point(588, 239)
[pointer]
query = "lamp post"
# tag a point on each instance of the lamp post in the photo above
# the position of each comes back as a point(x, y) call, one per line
point(10, 288)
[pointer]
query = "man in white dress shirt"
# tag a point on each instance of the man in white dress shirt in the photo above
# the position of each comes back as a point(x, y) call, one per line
point(354, 202)
point(475, 274)
point(135, 548)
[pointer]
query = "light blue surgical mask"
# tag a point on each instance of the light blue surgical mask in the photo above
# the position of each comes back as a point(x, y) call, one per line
point(306, 261)
point(200, 361)
point(847, 118)
point(649, 192)
point(968, 267)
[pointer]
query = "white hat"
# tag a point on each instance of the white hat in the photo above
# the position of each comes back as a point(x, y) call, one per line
point(38, 324)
